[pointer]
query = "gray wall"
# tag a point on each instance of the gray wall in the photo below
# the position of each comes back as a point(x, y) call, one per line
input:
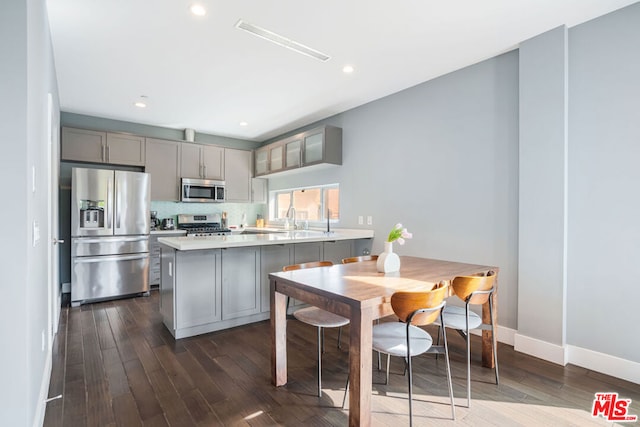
point(543, 145)
point(27, 76)
point(604, 184)
point(442, 158)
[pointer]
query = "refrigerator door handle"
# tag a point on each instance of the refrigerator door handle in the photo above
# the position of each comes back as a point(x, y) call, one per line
point(118, 205)
point(109, 213)
point(86, 260)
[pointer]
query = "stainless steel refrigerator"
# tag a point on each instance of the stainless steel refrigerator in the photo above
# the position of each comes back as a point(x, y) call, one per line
point(109, 234)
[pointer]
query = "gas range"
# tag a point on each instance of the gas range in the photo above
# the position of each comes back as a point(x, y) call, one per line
point(202, 225)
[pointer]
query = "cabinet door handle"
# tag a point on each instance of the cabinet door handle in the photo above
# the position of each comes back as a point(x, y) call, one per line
point(108, 153)
point(104, 151)
point(204, 167)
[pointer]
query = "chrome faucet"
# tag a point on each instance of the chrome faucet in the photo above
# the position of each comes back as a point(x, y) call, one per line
point(291, 214)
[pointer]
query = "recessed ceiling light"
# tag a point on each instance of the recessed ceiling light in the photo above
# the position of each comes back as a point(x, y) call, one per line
point(198, 9)
point(244, 124)
point(347, 69)
point(281, 40)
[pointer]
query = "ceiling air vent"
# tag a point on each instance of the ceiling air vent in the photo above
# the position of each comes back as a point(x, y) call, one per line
point(281, 40)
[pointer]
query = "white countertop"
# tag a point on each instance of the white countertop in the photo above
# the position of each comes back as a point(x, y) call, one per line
point(168, 232)
point(192, 243)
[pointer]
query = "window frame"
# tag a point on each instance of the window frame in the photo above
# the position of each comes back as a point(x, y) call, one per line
point(273, 203)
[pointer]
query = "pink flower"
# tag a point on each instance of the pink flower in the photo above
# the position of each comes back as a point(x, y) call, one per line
point(399, 233)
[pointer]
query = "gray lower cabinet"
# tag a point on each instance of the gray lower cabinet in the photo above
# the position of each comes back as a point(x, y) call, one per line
point(307, 252)
point(240, 282)
point(336, 250)
point(198, 298)
point(273, 258)
point(208, 290)
point(168, 287)
point(154, 256)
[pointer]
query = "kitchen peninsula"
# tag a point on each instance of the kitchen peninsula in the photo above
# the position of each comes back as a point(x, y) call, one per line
point(218, 282)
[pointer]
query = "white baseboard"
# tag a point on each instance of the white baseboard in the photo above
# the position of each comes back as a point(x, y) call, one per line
point(541, 349)
point(605, 363)
point(504, 334)
point(589, 359)
point(38, 419)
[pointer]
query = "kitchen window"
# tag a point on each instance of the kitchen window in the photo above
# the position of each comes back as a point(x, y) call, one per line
point(311, 204)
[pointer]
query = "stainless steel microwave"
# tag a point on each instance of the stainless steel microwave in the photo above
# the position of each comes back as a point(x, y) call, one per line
point(202, 190)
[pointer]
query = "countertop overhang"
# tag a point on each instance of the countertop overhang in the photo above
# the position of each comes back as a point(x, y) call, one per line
point(191, 243)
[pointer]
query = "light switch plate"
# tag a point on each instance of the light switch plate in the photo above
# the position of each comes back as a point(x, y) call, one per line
point(360, 220)
point(36, 233)
point(369, 220)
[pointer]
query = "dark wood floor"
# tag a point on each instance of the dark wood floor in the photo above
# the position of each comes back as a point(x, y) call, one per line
point(116, 364)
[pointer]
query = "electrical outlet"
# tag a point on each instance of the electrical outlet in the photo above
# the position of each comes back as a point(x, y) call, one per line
point(369, 220)
point(360, 220)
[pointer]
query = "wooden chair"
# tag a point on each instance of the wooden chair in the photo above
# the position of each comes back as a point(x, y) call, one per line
point(317, 317)
point(473, 290)
point(360, 259)
point(405, 339)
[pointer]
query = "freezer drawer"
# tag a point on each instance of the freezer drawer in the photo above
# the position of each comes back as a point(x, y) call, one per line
point(94, 246)
point(108, 276)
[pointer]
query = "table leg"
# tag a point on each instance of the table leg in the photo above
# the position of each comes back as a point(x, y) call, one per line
point(487, 337)
point(278, 336)
point(360, 367)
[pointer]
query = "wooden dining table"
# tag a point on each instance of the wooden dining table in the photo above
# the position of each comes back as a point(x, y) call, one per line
point(361, 294)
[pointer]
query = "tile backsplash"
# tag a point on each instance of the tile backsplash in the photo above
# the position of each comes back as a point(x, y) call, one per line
point(234, 210)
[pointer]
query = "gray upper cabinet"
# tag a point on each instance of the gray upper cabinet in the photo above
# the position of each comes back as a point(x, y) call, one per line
point(84, 145)
point(202, 161)
point(322, 145)
point(163, 163)
point(276, 157)
point(293, 153)
point(237, 173)
point(261, 160)
point(125, 149)
point(259, 190)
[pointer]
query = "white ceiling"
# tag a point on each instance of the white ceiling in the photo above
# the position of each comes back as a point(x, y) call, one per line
point(203, 73)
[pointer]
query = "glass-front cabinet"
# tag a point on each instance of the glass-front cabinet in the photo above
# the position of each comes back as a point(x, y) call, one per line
point(293, 153)
point(313, 148)
point(321, 145)
point(262, 161)
point(276, 162)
